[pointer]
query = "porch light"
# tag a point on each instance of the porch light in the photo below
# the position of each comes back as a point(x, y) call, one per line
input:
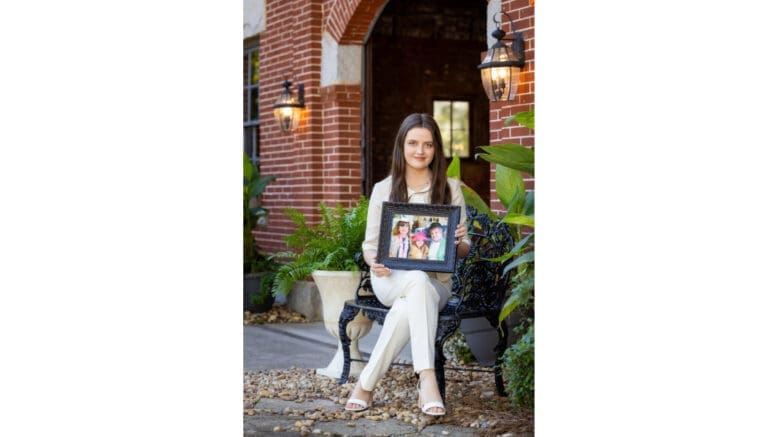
point(288, 109)
point(501, 68)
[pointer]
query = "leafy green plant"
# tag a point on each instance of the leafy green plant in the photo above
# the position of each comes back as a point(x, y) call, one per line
point(518, 364)
point(265, 290)
point(512, 161)
point(253, 186)
point(330, 245)
point(259, 269)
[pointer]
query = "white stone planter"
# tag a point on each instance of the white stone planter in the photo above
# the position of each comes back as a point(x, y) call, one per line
point(335, 288)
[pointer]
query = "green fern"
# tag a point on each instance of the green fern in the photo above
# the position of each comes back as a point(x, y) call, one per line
point(330, 245)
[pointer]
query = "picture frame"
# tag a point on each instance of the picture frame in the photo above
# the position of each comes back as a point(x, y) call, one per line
point(418, 236)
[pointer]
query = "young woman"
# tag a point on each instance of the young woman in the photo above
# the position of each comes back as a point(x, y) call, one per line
point(415, 297)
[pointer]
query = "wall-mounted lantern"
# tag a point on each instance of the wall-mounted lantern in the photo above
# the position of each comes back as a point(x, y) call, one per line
point(288, 109)
point(501, 68)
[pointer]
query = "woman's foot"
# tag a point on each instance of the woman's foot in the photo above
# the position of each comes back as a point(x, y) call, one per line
point(360, 399)
point(429, 399)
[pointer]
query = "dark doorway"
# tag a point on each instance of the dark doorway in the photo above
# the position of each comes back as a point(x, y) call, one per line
point(416, 54)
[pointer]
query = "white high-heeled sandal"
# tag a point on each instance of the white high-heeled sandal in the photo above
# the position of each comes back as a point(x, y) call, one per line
point(429, 405)
point(363, 405)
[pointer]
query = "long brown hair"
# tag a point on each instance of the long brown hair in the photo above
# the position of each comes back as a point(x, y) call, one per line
point(441, 193)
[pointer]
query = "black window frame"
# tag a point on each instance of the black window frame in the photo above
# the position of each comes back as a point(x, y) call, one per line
point(251, 90)
point(451, 100)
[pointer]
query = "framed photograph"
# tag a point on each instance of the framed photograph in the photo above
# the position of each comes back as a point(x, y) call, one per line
point(418, 236)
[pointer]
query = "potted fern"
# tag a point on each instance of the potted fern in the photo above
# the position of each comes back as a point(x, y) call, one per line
point(258, 269)
point(326, 253)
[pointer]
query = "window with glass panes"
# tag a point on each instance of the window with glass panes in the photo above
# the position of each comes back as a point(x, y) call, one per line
point(251, 101)
point(453, 118)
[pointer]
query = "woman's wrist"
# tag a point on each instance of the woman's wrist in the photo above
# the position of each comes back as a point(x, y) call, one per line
point(462, 249)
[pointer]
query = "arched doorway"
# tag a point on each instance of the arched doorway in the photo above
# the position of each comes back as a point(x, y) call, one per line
point(422, 57)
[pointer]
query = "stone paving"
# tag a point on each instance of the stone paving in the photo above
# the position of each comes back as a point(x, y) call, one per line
point(291, 352)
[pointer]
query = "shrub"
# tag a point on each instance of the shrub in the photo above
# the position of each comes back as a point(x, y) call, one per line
point(518, 366)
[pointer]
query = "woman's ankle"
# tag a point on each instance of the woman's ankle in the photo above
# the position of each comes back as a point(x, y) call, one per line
point(357, 388)
point(426, 373)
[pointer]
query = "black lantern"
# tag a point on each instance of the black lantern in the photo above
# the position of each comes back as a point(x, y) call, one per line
point(501, 68)
point(288, 109)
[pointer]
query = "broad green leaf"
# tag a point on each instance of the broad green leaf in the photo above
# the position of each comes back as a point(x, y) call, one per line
point(518, 219)
point(514, 251)
point(504, 257)
point(511, 303)
point(521, 243)
point(520, 295)
point(523, 259)
point(525, 118)
point(512, 155)
point(521, 210)
point(509, 182)
point(248, 167)
point(528, 204)
point(473, 199)
point(454, 168)
point(517, 204)
point(258, 186)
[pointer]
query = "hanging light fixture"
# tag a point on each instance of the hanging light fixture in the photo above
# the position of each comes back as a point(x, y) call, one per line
point(288, 109)
point(501, 68)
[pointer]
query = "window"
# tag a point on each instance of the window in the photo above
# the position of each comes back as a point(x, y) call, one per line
point(251, 101)
point(453, 118)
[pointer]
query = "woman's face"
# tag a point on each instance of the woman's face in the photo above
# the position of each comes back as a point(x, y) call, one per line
point(403, 228)
point(419, 148)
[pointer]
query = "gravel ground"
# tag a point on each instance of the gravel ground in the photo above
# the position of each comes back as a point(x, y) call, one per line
point(472, 401)
point(277, 314)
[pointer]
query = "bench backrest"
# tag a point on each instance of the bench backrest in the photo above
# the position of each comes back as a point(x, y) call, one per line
point(480, 284)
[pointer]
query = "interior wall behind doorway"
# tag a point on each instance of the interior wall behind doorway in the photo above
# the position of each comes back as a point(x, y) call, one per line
point(418, 52)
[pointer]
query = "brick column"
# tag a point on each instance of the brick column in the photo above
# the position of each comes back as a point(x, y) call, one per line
point(522, 11)
point(290, 48)
point(342, 143)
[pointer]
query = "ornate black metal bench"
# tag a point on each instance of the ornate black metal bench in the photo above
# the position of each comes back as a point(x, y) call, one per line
point(479, 289)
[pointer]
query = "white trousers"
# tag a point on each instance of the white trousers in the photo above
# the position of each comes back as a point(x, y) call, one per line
point(415, 300)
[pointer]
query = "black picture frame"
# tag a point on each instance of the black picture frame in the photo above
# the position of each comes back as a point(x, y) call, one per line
point(421, 219)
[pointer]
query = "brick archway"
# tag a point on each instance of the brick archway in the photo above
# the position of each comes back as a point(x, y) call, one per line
point(348, 21)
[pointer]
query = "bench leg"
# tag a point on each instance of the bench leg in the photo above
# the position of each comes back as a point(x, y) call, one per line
point(499, 349)
point(445, 328)
point(348, 314)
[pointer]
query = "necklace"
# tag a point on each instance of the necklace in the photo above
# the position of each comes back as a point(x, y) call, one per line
point(421, 186)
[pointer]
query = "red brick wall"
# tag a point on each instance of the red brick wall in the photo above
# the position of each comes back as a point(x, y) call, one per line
point(290, 48)
point(342, 143)
point(321, 160)
point(522, 12)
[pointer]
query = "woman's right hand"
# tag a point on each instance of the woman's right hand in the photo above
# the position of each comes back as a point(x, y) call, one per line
point(378, 270)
